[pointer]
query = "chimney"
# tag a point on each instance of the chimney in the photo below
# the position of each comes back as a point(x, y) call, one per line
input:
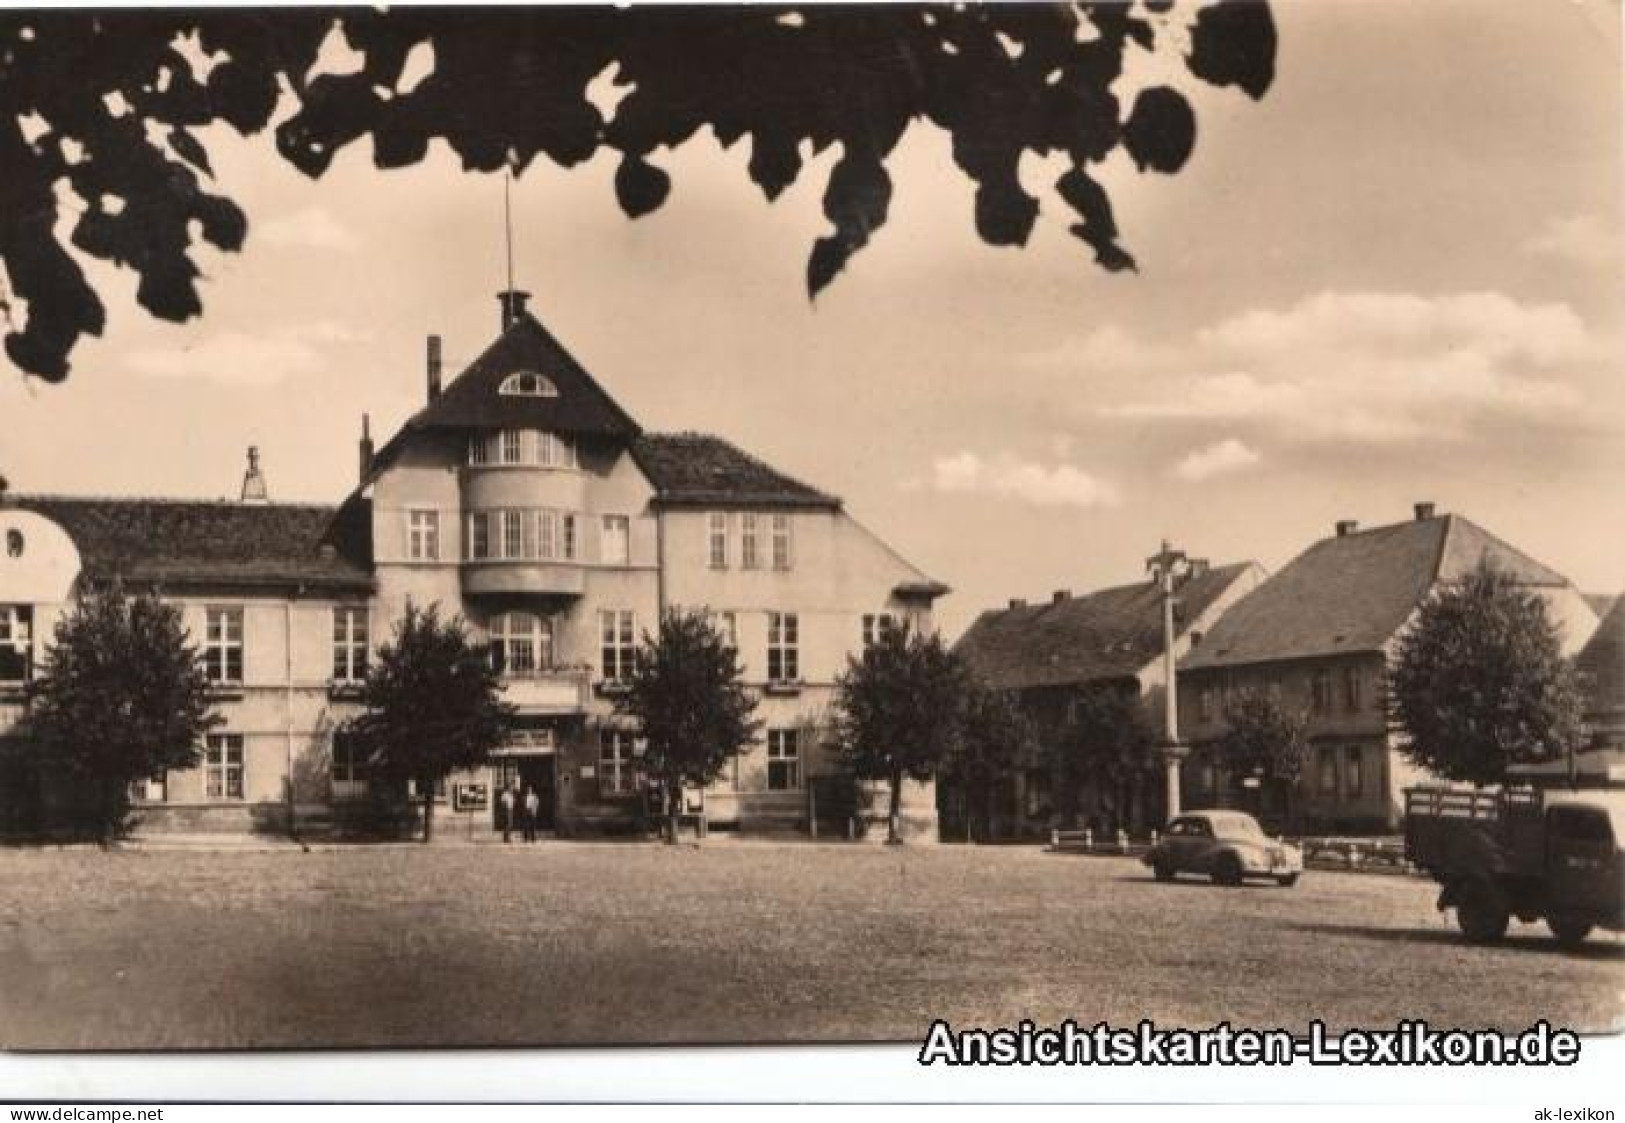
point(513, 306)
point(1423, 511)
point(434, 367)
point(254, 480)
point(1061, 595)
point(366, 447)
point(1346, 527)
point(1017, 602)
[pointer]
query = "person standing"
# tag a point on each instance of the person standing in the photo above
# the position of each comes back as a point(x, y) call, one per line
point(533, 811)
point(505, 808)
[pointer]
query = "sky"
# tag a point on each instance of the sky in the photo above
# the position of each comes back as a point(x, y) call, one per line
point(1398, 278)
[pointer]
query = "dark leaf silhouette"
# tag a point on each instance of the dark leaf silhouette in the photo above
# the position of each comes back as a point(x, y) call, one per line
point(1161, 130)
point(1233, 44)
point(509, 85)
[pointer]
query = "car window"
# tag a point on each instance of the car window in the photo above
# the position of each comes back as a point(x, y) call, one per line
point(1201, 829)
point(1580, 824)
point(1237, 826)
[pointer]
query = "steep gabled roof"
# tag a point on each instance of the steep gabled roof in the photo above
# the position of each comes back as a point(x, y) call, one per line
point(180, 542)
point(1354, 592)
point(1601, 663)
point(1110, 634)
point(699, 470)
point(473, 399)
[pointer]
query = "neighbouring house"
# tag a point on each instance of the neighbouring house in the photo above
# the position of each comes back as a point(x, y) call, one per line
point(1600, 668)
point(1048, 654)
point(1318, 636)
point(523, 498)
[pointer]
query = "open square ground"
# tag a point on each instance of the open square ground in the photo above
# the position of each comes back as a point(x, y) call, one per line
point(733, 942)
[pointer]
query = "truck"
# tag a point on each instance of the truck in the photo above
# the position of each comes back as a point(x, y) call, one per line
point(1531, 853)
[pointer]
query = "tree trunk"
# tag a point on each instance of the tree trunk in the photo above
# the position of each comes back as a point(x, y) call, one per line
point(674, 811)
point(990, 797)
point(428, 812)
point(894, 836)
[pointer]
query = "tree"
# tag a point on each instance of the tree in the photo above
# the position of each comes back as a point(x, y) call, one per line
point(995, 739)
point(433, 706)
point(1261, 739)
point(510, 84)
point(899, 712)
point(121, 697)
point(1479, 681)
point(688, 695)
point(1107, 744)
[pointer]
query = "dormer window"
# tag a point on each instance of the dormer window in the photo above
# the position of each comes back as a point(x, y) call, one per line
point(535, 448)
point(528, 384)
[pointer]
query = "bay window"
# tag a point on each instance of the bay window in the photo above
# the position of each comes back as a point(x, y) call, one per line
point(521, 644)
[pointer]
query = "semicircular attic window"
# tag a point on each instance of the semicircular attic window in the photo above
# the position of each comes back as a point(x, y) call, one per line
point(528, 384)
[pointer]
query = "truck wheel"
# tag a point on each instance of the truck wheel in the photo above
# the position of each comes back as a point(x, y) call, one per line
point(1286, 880)
point(1163, 869)
point(1570, 931)
point(1227, 870)
point(1481, 914)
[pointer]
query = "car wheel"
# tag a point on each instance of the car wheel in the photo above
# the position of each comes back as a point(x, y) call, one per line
point(1227, 870)
point(1163, 869)
point(1570, 931)
point(1286, 880)
point(1482, 915)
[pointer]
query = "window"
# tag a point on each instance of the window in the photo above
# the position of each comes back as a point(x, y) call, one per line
point(223, 766)
point(781, 541)
point(521, 644)
point(16, 642)
point(619, 646)
point(1353, 772)
point(521, 534)
point(151, 789)
point(783, 760)
point(349, 769)
point(718, 526)
point(783, 658)
point(1205, 703)
point(615, 544)
point(528, 384)
point(349, 643)
point(727, 626)
point(1353, 688)
point(514, 448)
point(223, 645)
point(1328, 771)
point(1320, 691)
point(423, 535)
point(554, 451)
point(876, 626)
point(749, 545)
point(616, 772)
point(14, 543)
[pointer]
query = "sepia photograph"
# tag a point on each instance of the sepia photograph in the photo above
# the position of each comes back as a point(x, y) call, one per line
point(535, 526)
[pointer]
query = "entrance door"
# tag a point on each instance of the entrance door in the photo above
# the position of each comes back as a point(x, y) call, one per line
point(538, 772)
point(515, 774)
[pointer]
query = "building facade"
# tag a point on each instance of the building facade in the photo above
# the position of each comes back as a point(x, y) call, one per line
point(1318, 636)
point(1049, 654)
point(525, 500)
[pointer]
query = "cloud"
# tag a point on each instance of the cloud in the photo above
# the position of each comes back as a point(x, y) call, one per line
point(312, 228)
point(1580, 238)
point(1371, 368)
point(238, 359)
point(1010, 477)
point(1228, 455)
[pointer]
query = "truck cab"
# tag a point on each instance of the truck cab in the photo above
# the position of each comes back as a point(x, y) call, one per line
point(1530, 853)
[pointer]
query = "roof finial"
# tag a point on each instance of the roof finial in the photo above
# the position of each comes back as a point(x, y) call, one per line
point(254, 480)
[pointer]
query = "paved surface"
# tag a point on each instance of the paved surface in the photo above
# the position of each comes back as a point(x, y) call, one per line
point(634, 943)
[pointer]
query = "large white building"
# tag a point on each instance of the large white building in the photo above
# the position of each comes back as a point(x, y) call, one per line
point(524, 499)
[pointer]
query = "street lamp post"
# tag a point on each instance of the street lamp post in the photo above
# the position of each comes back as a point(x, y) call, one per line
point(1169, 569)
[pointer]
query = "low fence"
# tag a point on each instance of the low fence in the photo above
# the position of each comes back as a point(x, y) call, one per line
point(1361, 855)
